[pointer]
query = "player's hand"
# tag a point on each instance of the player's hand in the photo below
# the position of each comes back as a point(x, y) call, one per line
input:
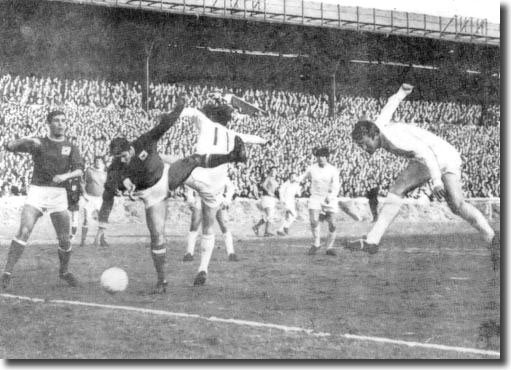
point(57, 179)
point(85, 198)
point(133, 195)
point(407, 88)
point(439, 192)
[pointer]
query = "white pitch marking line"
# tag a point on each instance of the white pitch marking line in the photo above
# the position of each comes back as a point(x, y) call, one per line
point(440, 347)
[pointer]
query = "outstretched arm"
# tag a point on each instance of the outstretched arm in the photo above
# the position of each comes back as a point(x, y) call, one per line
point(251, 139)
point(392, 104)
point(24, 145)
point(167, 120)
point(303, 176)
point(196, 116)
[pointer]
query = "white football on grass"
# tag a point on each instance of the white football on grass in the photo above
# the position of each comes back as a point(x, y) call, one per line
point(114, 280)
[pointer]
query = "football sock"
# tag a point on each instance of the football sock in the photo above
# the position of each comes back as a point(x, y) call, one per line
point(473, 216)
point(74, 229)
point(267, 227)
point(387, 214)
point(15, 251)
point(316, 235)
point(192, 238)
point(85, 230)
point(330, 239)
point(64, 253)
point(214, 160)
point(229, 247)
point(207, 245)
point(289, 221)
point(158, 253)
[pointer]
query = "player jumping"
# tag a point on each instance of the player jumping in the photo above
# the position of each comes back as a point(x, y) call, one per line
point(214, 137)
point(430, 158)
point(138, 169)
point(56, 160)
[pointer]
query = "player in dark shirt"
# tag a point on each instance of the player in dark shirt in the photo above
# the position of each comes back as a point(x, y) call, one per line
point(56, 160)
point(138, 169)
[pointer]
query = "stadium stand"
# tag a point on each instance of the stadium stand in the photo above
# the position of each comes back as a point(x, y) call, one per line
point(100, 110)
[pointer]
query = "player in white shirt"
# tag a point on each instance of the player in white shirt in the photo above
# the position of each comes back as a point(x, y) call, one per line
point(93, 187)
point(323, 203)
point(288, 192)
point(430, 158)
point(194, 201)
point(213, 138)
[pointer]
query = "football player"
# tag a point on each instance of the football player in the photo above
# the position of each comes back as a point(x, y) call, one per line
point(431, 158)
point(56, 160)
point(138, 169)
point(323, 202)
point(214, 137)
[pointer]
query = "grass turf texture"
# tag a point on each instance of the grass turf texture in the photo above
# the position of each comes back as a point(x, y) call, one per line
point(434, 288)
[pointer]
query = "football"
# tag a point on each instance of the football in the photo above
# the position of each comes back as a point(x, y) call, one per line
point(114, 280)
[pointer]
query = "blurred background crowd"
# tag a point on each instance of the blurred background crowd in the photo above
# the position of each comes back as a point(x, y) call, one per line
point(97, 111)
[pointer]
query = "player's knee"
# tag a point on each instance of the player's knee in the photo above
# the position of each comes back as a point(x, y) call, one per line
point(455, 205)
point(314, 223)
point(64, 243)
point(24, 233)
point(207, 230)
point(157, 239)
point(332, 228)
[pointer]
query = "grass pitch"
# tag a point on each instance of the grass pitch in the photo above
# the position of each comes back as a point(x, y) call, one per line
point(431, 288)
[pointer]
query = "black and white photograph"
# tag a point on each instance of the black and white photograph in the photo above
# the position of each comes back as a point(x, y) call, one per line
point(250, 180)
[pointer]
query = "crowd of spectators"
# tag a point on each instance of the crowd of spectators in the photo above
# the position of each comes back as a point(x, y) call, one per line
point(97, 111)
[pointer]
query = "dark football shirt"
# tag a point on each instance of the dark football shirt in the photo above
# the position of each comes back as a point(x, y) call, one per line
point(146, 167)
point(54, 158)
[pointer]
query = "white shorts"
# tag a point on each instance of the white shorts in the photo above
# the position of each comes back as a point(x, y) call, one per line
point(158, 191)
point(47, 198)
point(93, 204)
point(268, 205)
point(268, 202)
point(318, 203)
point(194, 202)
point(211, 196)
point(451, 164)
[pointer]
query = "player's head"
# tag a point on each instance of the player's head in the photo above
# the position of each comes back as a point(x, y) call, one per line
point(322, 155)
point(99, 162)
point(221, 114)
point(56, 121)
point(120, 148)
point(293, 177)
point(366, 135)
point(272, 172)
